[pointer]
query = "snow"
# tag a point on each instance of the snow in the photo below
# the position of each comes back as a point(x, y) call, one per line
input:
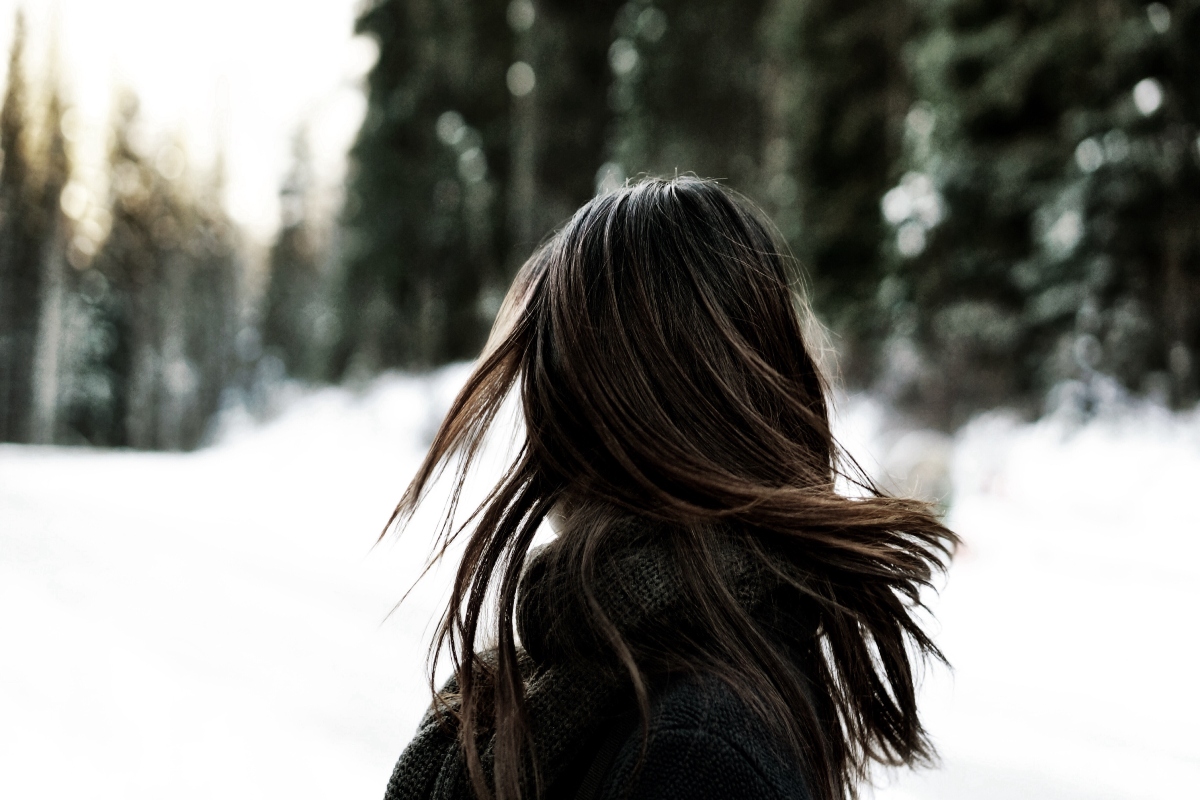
point(1070, 616)
point(218, 624)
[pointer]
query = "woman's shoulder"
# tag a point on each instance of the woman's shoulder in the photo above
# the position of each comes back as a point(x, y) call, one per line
point(704, 742)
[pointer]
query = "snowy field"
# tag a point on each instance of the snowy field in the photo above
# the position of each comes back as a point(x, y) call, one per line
point(216, 624)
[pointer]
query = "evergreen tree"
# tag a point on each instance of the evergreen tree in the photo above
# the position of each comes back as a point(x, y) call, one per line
point(561, 125)
point(54, 235)
point(20, 267)
point(210, 318)
point(127, 275)
point(722, 90)
point(294, 311)
point(160, 301)
point(1057, 141)
point(425, 215)
point(975, 305)
point(686, 89)
point(143, 269)
point(487, 123)
point(836, 91)
point(96, 356)
point(1134, 186)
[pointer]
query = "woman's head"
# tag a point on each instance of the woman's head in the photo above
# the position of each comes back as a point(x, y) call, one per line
point(663, 362)
point(658, 341)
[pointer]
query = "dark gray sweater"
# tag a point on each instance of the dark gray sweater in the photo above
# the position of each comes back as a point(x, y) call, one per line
point(704, 743)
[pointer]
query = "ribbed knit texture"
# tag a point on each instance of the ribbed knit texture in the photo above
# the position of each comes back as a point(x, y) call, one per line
point(703, 744)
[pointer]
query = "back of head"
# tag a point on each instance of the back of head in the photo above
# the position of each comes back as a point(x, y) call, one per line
point(667, 370)
point(659, 345)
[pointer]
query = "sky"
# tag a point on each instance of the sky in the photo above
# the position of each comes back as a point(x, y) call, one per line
point(234, 76)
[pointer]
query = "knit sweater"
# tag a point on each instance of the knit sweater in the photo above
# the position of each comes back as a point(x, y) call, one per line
point(703, 741)
point(702, 744)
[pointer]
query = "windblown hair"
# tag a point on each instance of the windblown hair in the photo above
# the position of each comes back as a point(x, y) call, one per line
point(658, 342)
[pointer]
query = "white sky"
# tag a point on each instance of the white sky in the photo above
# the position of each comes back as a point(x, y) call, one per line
point(241, 75)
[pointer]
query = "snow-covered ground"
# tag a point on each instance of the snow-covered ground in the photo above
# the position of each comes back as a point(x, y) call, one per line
point(1072, 615)
point(217, 624)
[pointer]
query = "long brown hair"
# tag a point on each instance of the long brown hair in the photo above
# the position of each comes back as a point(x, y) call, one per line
point(658, 341)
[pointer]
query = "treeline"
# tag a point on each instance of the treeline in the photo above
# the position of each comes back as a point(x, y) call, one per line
point(993, 202)
point(126, 312)
point(117, 313)
point(991, 198)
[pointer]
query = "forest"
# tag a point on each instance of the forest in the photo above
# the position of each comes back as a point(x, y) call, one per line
point(991, 203)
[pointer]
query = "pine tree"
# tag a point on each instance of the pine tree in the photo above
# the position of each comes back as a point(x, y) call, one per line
point(54, 230)
point(128, 273)
point(836, 91)
point(975, 306)
point(686, 90)
point(1057, 141)
point(1134, 185)
point(597, 93)
point(294, 311)
point(143, 271)
point(20, 267)
point(560, 126)
point(425, 215)
point(161, 302)
point(210, 319)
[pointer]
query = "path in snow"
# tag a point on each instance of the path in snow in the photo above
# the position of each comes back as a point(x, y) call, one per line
point(216, 624)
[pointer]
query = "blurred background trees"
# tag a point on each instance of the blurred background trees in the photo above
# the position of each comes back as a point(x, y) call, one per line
point(994, 203)
point(119, 314)
point(836, 91)
point(23, 227)
point(1053, 147)
point(298, 318)
point(163, 293)
point(425, 215)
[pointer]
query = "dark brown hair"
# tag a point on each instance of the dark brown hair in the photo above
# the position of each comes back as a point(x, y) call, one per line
point(658, 341)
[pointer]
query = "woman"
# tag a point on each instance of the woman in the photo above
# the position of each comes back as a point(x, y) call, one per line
point(713, 619)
